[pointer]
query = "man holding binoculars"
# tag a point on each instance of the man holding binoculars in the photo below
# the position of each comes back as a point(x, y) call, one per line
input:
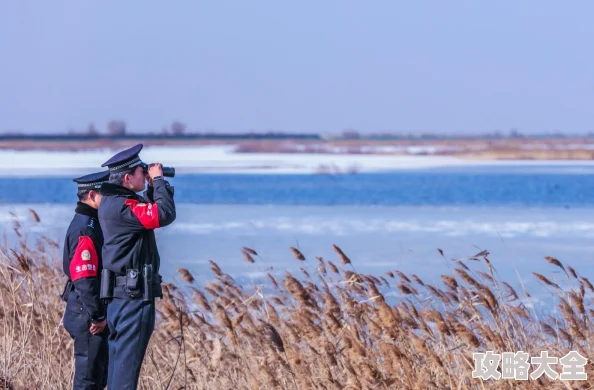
point(130, 278)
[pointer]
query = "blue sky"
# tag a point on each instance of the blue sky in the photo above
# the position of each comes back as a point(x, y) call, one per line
point(315, 66)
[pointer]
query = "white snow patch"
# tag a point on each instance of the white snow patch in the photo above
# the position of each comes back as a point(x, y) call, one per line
point(223, 159)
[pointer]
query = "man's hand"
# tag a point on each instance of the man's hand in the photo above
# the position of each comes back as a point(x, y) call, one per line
point(155, 170)
point(98, 327)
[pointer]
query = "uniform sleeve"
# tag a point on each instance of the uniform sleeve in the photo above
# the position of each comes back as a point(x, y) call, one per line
point(152, 215)
point(148, 195)
point(84, 273)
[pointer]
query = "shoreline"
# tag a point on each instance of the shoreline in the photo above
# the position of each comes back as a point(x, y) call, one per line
point(222, 159)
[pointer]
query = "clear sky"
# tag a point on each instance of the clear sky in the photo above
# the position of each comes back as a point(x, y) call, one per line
point(323, 65)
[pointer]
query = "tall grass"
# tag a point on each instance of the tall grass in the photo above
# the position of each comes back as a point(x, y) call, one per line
point(330, 327)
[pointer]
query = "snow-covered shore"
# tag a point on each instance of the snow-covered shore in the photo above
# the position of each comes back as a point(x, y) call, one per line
point(222, 159)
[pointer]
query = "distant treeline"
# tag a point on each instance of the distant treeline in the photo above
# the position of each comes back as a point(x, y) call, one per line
point(152, 136)
point(177, 134)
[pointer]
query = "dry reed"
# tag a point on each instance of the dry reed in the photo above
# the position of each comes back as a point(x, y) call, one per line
point(339, 330)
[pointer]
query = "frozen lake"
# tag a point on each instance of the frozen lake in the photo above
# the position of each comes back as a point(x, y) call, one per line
point(393, 215)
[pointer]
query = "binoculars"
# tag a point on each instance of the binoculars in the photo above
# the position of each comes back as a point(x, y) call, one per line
point(167, 171)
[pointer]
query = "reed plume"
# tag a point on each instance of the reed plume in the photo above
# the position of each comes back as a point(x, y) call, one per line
point(298, 255)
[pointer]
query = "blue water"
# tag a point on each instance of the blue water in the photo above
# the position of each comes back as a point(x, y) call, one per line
point(540, 211)
point(454, 187)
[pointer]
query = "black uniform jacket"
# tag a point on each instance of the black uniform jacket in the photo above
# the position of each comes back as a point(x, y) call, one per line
point(128, 222)
point(81, 260)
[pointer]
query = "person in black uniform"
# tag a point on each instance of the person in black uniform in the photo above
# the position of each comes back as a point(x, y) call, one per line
point(131, 258)
point(85, 314)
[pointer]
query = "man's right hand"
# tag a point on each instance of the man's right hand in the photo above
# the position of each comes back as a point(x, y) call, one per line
point(98, 327)
point(155, 170)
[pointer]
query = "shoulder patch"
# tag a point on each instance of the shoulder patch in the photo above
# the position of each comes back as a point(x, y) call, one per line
point(85, 262)
point(146, 213)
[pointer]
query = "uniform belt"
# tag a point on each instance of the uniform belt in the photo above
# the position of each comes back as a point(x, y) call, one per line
point(121, 280)
point(120, 292)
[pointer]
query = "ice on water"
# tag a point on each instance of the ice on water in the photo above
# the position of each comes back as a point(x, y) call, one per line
point(377, 239)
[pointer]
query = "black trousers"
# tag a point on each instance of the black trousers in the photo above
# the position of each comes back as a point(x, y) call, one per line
point(90, 351)
point(131, 324)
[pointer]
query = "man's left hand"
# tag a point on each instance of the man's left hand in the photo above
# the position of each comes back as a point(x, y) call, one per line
point(98, 327)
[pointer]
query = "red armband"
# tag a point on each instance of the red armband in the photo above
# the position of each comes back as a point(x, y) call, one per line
point(85, 262)
point(147, 213)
